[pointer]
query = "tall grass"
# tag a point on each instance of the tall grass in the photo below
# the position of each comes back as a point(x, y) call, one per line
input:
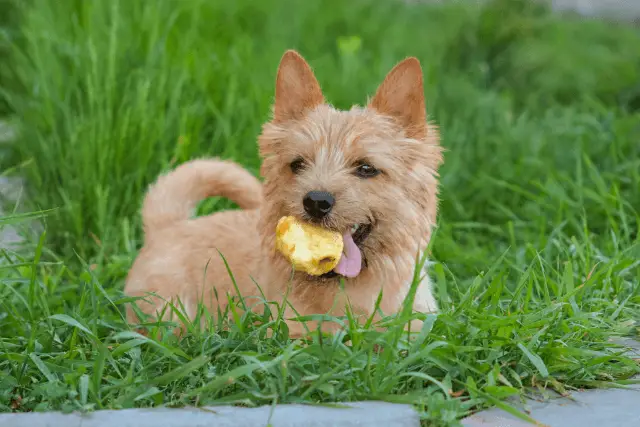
point(535, 256)
point(112, 92)
point(65, 344)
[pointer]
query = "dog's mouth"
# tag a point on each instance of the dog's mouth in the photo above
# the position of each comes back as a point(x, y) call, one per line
point(360, 232)
point(353, 259)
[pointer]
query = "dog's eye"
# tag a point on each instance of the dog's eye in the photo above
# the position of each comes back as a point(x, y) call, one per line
point(297, 165)
point(365, 170)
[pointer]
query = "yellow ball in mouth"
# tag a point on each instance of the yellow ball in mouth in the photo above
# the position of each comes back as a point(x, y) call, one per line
point(309, 248)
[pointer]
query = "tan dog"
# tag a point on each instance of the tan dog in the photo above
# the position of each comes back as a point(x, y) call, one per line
point(370, 173)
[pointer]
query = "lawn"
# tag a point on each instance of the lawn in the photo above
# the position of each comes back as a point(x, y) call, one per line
point(536, 259)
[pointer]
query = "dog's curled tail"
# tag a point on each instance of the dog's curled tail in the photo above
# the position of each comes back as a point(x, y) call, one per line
point(174, 196)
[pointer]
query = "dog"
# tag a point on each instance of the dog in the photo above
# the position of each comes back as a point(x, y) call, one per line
point(370, 173)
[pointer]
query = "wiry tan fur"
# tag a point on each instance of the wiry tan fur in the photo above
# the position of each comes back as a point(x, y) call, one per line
point(180, 257)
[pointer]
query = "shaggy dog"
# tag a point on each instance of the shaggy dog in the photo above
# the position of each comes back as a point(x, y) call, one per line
point(369, 173)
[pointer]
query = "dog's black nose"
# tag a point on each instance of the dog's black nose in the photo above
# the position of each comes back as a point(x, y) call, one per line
point(318, 203)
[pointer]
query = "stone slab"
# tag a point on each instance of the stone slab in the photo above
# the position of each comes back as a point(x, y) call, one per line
point(593, 408)
point(624, 10)
point(362, 414)
point(10, 188)
point(589, 408)
point(7, 132)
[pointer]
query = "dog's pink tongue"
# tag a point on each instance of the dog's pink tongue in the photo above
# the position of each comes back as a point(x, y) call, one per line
point(351, 262)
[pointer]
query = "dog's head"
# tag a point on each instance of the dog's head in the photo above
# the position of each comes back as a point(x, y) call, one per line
point(369, 173)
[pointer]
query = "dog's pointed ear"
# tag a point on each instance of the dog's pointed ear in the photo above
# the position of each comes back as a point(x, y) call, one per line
point(297, 89)
point(401, 95)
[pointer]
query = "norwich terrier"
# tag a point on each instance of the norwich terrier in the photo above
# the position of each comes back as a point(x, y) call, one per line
point(369, 173)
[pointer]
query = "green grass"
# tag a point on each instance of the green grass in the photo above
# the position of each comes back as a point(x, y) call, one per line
point(536, 259)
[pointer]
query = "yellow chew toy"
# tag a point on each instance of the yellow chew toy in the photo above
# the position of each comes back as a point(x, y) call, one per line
point(309, 248)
